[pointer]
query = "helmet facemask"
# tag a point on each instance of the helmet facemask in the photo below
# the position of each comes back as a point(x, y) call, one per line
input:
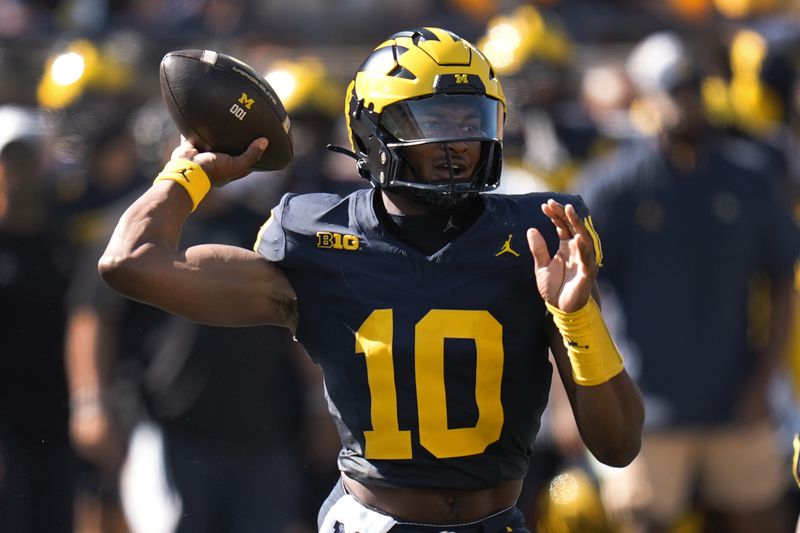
point(439, 150)
point(443, 194)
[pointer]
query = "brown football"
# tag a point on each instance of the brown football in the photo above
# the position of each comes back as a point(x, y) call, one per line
point(221, 104)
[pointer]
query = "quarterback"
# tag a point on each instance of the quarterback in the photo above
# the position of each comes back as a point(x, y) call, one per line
point(430, 307)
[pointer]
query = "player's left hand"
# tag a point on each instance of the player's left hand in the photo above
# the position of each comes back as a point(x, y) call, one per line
point(566, 279)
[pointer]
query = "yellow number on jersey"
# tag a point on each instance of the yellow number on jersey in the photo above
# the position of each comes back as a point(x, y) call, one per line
point(386, 440)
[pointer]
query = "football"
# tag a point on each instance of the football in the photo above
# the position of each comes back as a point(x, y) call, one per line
point(221, 104)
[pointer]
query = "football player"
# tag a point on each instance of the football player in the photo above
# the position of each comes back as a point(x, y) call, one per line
point(429, 307)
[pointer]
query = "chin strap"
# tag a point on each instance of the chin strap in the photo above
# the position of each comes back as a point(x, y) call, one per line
point(342, 150)
point(360, 162)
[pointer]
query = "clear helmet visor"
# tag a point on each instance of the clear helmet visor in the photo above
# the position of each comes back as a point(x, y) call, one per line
point(444, 117)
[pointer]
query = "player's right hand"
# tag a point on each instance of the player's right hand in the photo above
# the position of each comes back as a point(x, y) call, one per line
point(223, 168)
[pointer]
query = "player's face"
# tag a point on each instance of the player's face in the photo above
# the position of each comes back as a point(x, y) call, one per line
point(430, 161)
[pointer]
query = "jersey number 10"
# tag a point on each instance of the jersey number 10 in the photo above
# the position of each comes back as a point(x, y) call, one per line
point(374, 339)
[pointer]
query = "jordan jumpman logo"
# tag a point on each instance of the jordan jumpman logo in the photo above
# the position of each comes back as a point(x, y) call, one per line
point(507, 247)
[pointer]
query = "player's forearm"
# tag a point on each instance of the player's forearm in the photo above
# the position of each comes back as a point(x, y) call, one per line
point(211, 283)
point(144, 242)
point(610, 418)
point(607, 404)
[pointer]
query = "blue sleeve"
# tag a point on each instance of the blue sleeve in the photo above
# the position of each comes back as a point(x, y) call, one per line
point(271, 240)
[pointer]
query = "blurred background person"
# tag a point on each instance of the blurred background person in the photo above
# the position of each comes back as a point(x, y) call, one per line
point(37, 466)
point(549, 134)
point(198, 425)
point(754, 98)
point(689, 220)
point(312, 96)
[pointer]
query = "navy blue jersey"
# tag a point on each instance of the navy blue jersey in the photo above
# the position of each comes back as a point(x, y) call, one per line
point(435, 366)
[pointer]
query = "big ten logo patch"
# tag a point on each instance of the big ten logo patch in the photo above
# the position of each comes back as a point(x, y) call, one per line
point(337, 241)
point(239, 111)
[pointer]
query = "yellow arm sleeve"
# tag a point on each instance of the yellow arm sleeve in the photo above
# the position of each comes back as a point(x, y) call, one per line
point(592, 352)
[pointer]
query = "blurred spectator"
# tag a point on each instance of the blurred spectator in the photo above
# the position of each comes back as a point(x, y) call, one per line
point(751, 93)
point(94, 163)
point(199, 425)
point(37, 468)
point(756, 99)
point(689, 220)
point(549, 132)
point(313, 99)
point(606, 93)
point(212, 446)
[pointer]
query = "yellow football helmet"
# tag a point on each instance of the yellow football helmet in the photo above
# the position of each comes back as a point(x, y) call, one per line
point(82, 66)
point(405, 79)
point(572, 504)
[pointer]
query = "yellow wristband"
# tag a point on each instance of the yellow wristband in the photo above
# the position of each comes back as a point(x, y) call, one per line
point(594, 357)
point(190, 176)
